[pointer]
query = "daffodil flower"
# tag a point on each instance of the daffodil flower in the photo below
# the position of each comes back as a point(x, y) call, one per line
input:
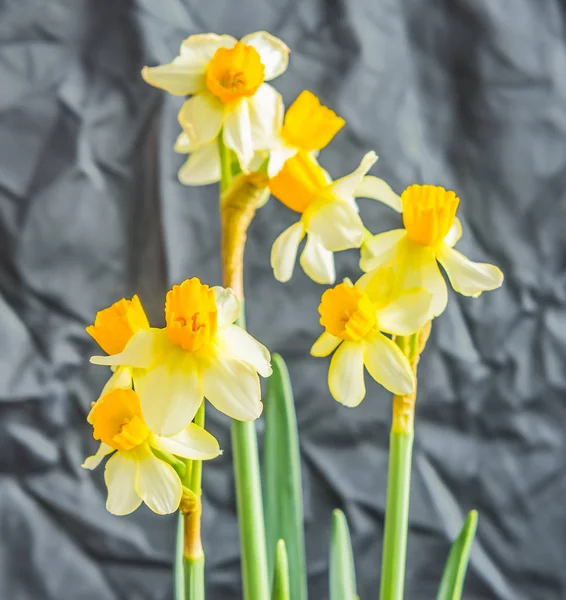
point(134, 474)
point(431, 231)
point(226, 79)
point(308, 126)
point(329, 214)
point(354, 317)
point(199, 353)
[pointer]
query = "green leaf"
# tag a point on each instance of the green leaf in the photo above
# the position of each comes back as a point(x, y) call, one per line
point(281, 574)
point(457, 563)
point(283, 498)
point(178, 567)
point(342, 572)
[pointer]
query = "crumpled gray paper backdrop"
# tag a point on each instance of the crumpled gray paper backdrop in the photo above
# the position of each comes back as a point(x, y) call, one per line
point(468, 94)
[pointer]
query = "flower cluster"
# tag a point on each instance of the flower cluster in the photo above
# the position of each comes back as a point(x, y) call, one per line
point(160, 379)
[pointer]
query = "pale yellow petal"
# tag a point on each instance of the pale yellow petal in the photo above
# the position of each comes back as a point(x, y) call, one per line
point(227, 305)
point(346, 374)
point(377, 189)
point(284, 251)
point(318, 262)
point(388, 365)
point(266, 113)
point(407, 313)
point(237, 133)
point(93, 461)
point(380, 249)
point(202, 167)
point(157, 483)
point(278, 157)
point(185, 143)
point(467, 277)
point(201, 117)
point(177, 79)
point(454, 234)
point(325, 344)
point(199, 49)
point(143, 349)
point(241, 345)
point(337, 225)
point(192, 442)
point(273, 52)
point(120, 476)
point(346, 187)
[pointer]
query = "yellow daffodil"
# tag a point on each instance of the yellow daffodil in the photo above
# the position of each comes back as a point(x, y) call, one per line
point(199, 353)
point(134, 473)
point(431, 230)
point(354, 317)
point(329, 214)
point(308, 126)
point(226, 79)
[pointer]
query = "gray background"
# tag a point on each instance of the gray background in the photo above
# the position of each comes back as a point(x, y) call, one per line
point(469, 94)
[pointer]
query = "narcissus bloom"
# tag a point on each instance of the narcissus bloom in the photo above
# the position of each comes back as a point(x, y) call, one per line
point(226, 78)
point(199, 353)
point(329, 214)
point(431, 230)
point(134, 473)
point(354, 317)
point(308, 126)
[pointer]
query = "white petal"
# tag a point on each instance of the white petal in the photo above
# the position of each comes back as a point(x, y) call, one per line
point(120, 379)
point(202, 166)
point(157, 483)
point(238, 131)
point(192, 442)
point(232, 386)
point(325, 344)
point(170, 394)
point(388, 365)
point(467, 277)
point(346, 374)
point(337, 226)
point(274, 53)
point(144, 349)
point(185, 144)
point(227, 304)
point(93, 461)
point(284, 251)
point(177, 79)
point(241, 345)
point(455, 233)
point(120, 478)
point(380, 249)
point(318, 262)
point(199, 49)
point(266, 115)
point(377, 189)
point(346, 187)
point(408, 312)
point(277, 158)
point(201, 117)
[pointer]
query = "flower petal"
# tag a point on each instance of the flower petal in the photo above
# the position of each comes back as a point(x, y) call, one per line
point(227, 304)
point(241, 345)
point(157, 483)
point(454, 234)
point(199, 49)
point(325, 344)
point(120, 477)
point(144, 349)
point(266, 115)
point(192, 442)
point(201, 117)
point(337, 225)
point(184, 143)
point(467, 277)
point(318, 262)
point(284, 251)
point(176, 78)
point(238, 132)
point(346, 187)
point(388, 365)
point(377, 189)
point(93, 461)
point(202, 166)
point(278, 157)
point(408, 312)
point(274, 53)
point(346, 374)
point(232, 386)
point(380, 249)
point(170, 394)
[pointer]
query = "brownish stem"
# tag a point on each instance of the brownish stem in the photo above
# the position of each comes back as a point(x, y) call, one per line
point(191, 508)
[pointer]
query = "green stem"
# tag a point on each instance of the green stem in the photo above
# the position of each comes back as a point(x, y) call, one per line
point(194, 578)
point(225, 164)
point(195, 484)
point(396, 516)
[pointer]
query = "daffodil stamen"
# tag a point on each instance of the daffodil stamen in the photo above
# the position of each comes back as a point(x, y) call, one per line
point(235, 73)
point(428, 213)
point(347, 312)
point(191, 314)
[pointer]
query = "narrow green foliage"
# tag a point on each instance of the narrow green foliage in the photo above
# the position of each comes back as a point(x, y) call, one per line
point(342, 572)
point(283, 498)
point(194, 578)
point(457, 563)
point(178, 566)
point(281, 574)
